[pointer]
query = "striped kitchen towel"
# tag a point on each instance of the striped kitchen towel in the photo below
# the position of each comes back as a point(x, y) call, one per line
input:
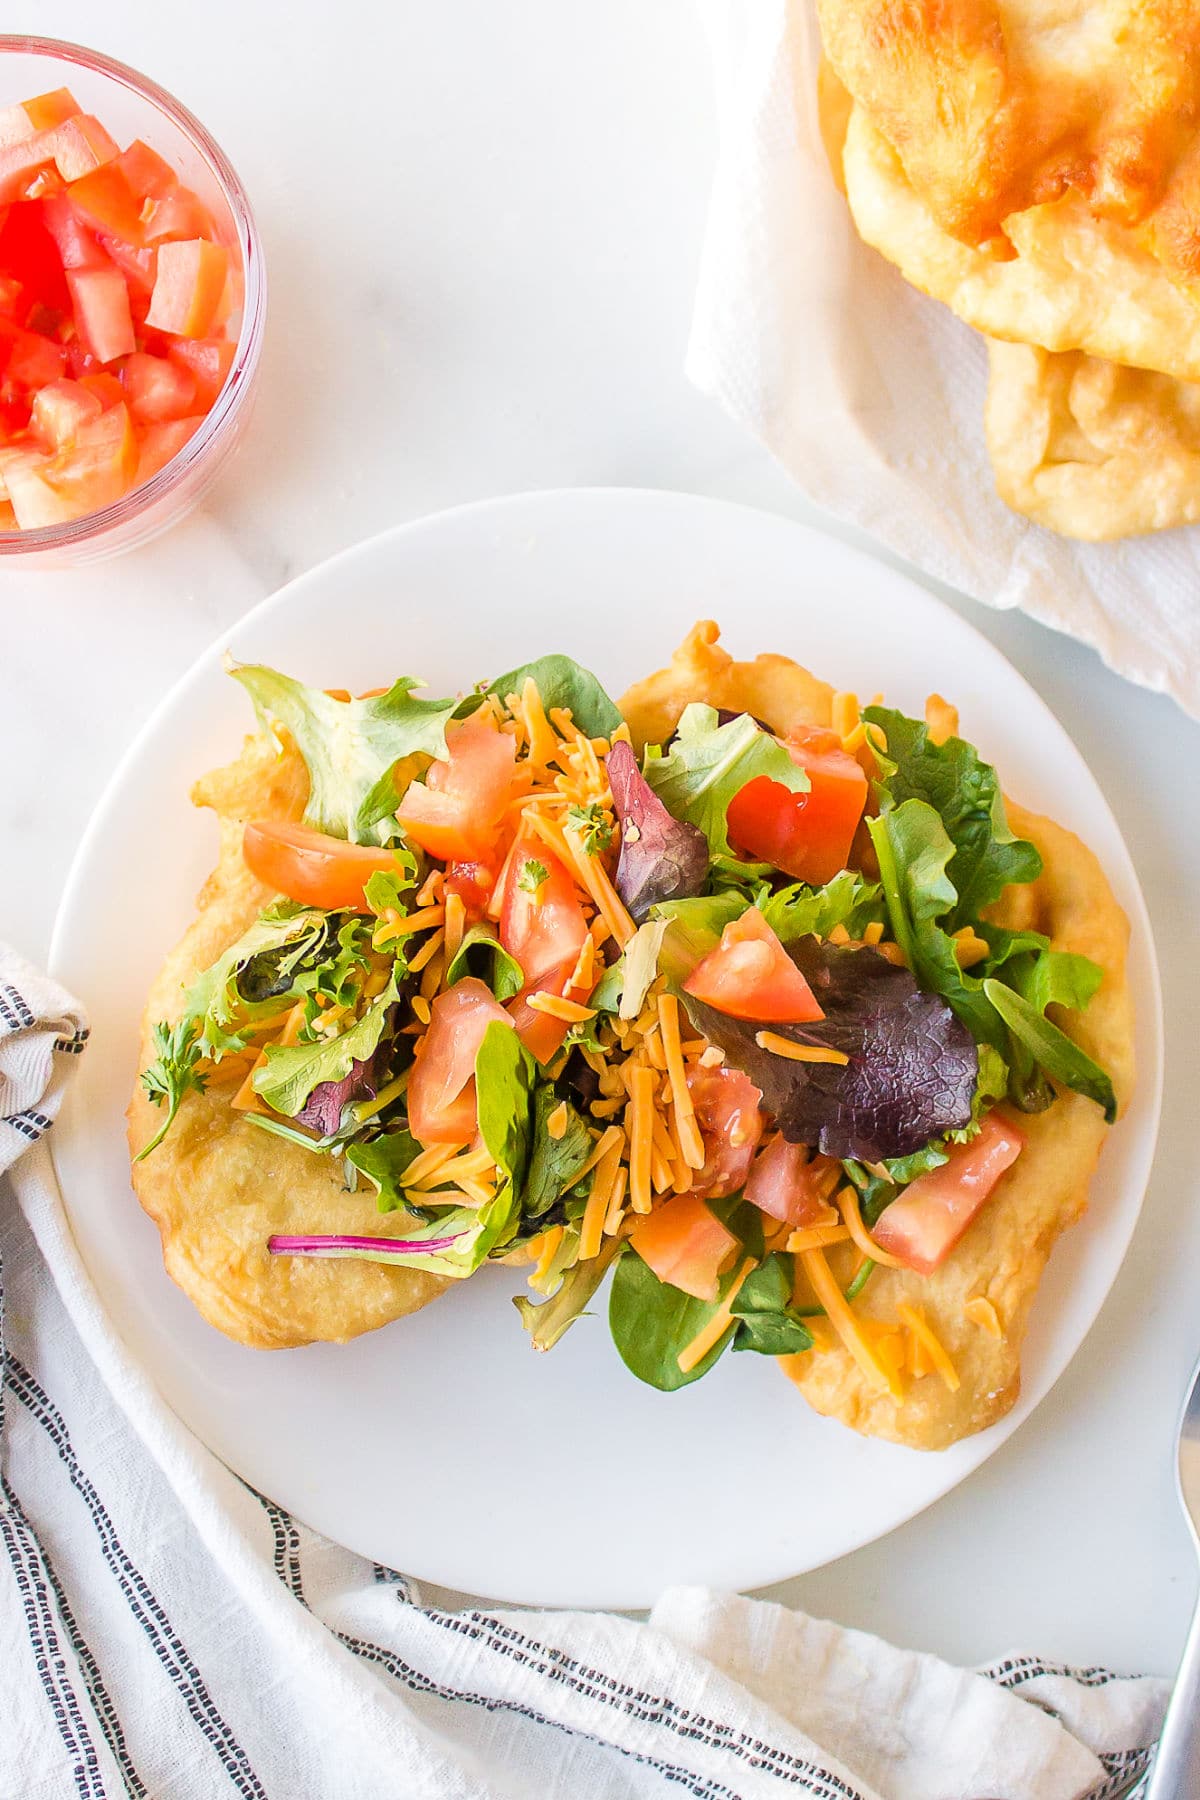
point(167, 1632)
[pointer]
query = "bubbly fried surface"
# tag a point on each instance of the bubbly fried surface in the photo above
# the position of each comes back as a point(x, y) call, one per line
point(1005, 1249)
point(774, 688)
point(1092, 449)
point(997, 106)
point(217, 1187)
point(1077, 282)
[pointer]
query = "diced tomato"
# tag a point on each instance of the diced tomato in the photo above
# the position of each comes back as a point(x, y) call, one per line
point(101, 464)
point(45, 111)
point(156, 389)
point(8, 516)
point(102, 317)
point(105, 202)
point(15, 125)
point(685, 1244)
point(473, 881)
point(806, 835)
point(751, 976)
point(159, 443)
point(60, 409)
point(80, 145)
point(310, 866)
point(29, 254)
point(542, 922)
point(728, 1112)
point(207, 360)
point(177, 216)
point(106, 387)
point(35, 503)
point(922, 1226)
point(29, 360)
point(139, 266)
point(456, 811)
point(783, 1183)
point(148, 174)
point(46, 182)
point(20, 162)
point(188, 287)
point(441, 1088)
point(77, 248)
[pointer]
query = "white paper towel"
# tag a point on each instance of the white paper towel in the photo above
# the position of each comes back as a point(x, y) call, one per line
point(871, 395)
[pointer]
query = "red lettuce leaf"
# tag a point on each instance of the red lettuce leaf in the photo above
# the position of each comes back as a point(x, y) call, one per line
point(661, 857)
point(913, 1065)
point(322, 1111)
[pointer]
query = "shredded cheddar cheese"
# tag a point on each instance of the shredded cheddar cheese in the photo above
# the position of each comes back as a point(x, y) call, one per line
point(841, 1317)
point(641, 1136)
point(558, 1008)
point(716, 1327)
point(981, 1312)
point(847, 1199)
point(969, 948)
point(808, 1053)
point(914, 1318)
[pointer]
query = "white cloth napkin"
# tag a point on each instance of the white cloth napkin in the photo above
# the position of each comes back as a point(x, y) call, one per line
point(871, 395)
point(165, 1631)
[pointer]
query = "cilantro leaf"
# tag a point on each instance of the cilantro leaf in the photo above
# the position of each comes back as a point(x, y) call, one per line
point(349, 747)
point(172, 1074)
point(708, 763)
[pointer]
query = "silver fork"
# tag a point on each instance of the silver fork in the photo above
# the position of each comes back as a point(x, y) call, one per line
point(1175, 1774)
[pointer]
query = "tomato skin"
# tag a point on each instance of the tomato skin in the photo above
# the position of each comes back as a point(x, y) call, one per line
point(472, 880)
point(751, 976)
point(685, 1244)
point(544, 929)
point(455, 812)
point(310, 867)
point(728, 1112)
point(781, 1184)
point(441, 1089)
point(806, 835)
point(921, 1227)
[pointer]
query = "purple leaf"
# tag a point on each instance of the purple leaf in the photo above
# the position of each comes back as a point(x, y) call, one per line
point(322, 1111)
point(912, 1065)
point(661, 857)
point(379, 1248)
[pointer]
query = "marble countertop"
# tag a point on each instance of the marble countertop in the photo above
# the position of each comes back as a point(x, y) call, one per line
point(511, 202)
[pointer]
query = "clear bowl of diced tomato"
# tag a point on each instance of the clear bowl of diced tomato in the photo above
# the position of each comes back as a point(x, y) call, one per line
point(132, 304)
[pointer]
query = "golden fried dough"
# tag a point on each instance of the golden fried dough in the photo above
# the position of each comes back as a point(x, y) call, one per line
point(217, 1187)
point(1092, 449)
point(1005, 1250)
point(774, 688)
point(997, 106)
point(1077, 282)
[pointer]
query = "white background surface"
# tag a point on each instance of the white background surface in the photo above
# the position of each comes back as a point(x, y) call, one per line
point(482, 226)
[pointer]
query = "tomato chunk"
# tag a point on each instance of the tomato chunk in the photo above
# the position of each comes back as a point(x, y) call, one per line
point(156, 388)
point(149, 175)
point(685, 1244)
point(105, 201)
point(80, 145)
point(542, 922)
point(159, 443)
point(806, 835)
point(441, 1089)
point(729, 1114)
point(45, 111)
point(100, 465)
point(456, 811)
point(784, 1183)
point(102, 316)
point(188, 287)
point(751, 976)
point(311, 867)
point(207, 360)
point(176, 216)
point(924, 1224)
point(77, 248)
point(60, 409)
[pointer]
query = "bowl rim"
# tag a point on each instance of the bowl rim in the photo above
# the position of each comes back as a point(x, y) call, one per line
point(93, 526)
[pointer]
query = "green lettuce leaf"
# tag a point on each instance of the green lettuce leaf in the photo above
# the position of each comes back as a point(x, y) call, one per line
point(801, 911)
point(546, 1320)
point(561, 682)
point(291, 1071)
point(1056, 1053)
point(964, 791)
point(482, 954)
point(708, 763)
point(349, 747)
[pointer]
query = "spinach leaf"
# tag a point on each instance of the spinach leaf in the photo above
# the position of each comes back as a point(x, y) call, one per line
point(708, 763)
point(482, 954)
point(349, 747)
point(1059, 1055)
point(291, 1071)
point(547, 1320)
point(770, 1324)
point(561, 681)
point(554, 1163)
point(504, 1078)
point(953, 779)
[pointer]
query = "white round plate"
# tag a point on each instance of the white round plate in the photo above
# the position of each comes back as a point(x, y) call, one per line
point(442, 1445)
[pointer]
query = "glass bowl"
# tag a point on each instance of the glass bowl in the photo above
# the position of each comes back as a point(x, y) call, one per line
point(132, 106)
